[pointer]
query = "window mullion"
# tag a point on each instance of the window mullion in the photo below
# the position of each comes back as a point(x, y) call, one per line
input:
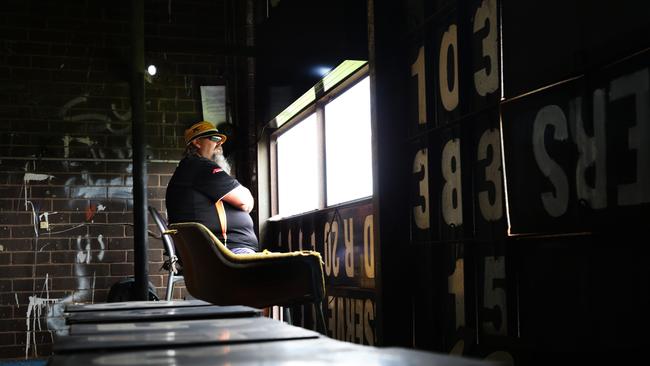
point(322, 189)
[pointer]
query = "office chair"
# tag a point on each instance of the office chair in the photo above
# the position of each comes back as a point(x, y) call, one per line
point(216, 275)
point(172, 261)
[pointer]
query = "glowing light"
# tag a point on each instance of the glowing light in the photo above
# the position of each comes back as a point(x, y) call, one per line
point(321, 70)
point(151, 70)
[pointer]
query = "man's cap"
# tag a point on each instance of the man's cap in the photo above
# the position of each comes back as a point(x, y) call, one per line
point(202, 129)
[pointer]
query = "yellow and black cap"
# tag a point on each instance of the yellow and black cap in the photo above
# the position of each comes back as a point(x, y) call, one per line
point(203, 129)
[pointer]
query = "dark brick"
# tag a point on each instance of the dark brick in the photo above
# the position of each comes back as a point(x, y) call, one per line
point(158, 204)
point(70, 205)
point(154, 256)
point(15, 271)
point(157, 280)
point(35, 285)
point(125, 217)
point(119, 269)
point(101, 217)
point(109, 230)
point(57, 218)
point(9, 298)
point(23, 231)
point(185, 106)
point(59, 62)
point(88, 192)
point(64, 257)
point(111, 256)
point(10, 191)
point(120, 192)
point(5, 286)
point(21, 73)
point(49, 36)
point(52, 245)
point(49, 192)
point(194, 69)
point(120, 243)
point(155, 268)
point(105, 282)
point(30, 48)
point(100, 295)
point(75, 283)
point(17, 244)
point(68, 230)
point(40, 337)
point(15, 218)
point(152, 181)
point(30, 257)
point(12, 325)
point(155, 244)
point(164, 180)
point(10, 352)
point(156, 192)
point(7, 338)
point(5, 258)
point(65, 283)
point(54, 270)
point(98, 269)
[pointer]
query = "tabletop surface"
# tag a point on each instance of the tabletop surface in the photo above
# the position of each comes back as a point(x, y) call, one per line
point(174, 334)
point(165, 313)
point(129, 305)
point(314, 352)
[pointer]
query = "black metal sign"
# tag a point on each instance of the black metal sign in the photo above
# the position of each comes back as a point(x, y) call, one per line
point(578, 153)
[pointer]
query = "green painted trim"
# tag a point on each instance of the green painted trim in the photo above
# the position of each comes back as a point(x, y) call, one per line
point(329, 81)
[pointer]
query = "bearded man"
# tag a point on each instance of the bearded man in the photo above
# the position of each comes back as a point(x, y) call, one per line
point(202, 190)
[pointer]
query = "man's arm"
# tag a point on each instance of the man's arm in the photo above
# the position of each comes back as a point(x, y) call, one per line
point(240, 198)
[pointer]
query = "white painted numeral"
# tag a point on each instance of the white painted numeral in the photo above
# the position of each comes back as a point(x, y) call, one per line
point(494, 297)
point(421, 212)
point(486, 80)
point(452, 202)
point(449, 43)
point(491, 210)
point(456, 286)
point(417, 69)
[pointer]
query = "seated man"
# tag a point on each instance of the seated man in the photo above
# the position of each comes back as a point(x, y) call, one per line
point(202, 190)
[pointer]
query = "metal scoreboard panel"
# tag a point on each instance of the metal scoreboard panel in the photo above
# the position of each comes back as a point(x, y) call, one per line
point(345, 238)
point(577, 152)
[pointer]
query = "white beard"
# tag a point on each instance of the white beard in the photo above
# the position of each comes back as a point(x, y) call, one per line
point(221, 160)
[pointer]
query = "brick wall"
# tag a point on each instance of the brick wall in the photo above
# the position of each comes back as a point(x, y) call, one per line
point(65, 150)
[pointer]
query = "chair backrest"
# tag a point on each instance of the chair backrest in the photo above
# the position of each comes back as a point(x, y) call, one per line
point(214, 274)
point(162, 226)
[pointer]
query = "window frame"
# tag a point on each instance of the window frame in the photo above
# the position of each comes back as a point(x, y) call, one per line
point(317, 106)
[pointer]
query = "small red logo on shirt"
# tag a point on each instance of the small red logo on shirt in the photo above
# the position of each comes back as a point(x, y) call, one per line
point(216, 170)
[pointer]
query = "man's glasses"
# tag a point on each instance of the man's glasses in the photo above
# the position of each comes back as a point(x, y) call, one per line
point(214, 138)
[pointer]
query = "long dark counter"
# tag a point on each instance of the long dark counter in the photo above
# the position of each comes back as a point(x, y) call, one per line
point(146, 334)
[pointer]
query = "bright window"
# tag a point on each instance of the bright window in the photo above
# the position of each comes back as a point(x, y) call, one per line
point(323, 154)
point(298, 189)
point(347, 145)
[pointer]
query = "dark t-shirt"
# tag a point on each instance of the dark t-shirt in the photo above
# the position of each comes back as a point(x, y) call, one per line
point(192, 194)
